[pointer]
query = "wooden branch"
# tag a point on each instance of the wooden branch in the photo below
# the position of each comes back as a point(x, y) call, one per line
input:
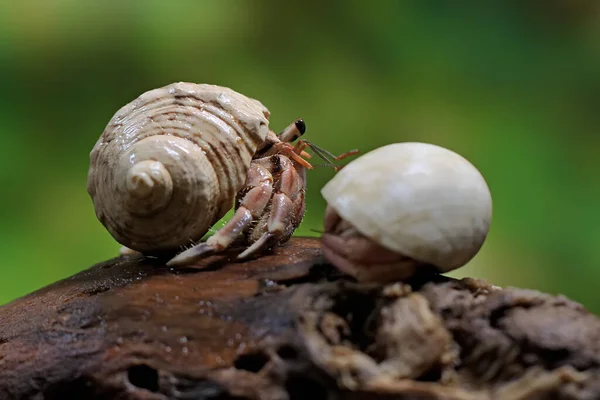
point(288, 326)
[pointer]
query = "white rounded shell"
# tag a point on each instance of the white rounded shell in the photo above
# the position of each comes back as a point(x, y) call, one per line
point(420, 200)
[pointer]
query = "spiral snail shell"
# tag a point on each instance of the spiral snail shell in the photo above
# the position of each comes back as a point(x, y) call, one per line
point(169, 164)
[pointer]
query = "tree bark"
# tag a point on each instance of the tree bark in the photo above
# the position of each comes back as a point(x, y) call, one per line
point(289, 326)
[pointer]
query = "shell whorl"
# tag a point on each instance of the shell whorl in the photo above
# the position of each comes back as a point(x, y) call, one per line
point(149, 187)
point(169, 164)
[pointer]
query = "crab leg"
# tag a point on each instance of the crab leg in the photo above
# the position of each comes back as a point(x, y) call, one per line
point(346, 154)
point(289, 151)
point(260, 182)
point(283, 211)
point(300, 160)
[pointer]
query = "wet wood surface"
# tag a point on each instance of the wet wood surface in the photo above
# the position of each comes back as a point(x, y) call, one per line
point(287, 325)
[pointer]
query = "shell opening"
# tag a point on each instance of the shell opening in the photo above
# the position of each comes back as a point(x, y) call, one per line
point(359, 256)
point(150, 184)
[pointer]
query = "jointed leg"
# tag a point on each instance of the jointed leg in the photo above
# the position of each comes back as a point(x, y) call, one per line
point(253, 204)
point(322, 153)
point(283, 218)
point(290, 151)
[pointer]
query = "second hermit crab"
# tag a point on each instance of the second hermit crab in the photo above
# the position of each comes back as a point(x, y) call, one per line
point(172, 162)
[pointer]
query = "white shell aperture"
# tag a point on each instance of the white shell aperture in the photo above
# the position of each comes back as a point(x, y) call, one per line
point(417, 199)
point(169, 164)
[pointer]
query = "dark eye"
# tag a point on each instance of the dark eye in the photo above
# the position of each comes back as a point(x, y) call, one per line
point(301, 126)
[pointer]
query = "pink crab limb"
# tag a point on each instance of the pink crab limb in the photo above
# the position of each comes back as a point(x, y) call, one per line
point(359, 256)
point(289, 151)
point(272, 199)
point(283, 210)
point(251, 207)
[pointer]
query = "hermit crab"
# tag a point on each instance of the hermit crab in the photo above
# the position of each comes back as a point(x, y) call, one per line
point(405, 208)
point(172, 162)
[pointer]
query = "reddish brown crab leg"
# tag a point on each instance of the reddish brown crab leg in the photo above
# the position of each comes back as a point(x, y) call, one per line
point(289, 151)
point(300, 160)
point(299, 149)
point(252, 206)
point(283, 210)
point(347, 154)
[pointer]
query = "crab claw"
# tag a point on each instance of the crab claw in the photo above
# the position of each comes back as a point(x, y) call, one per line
point(192, 254)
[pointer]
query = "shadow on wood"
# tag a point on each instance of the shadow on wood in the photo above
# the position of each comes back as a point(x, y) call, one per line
point(288, 326)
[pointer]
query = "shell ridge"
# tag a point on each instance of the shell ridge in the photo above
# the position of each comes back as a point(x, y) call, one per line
point(243, 108)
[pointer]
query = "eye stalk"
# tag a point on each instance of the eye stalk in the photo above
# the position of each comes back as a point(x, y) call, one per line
point(297, 129)
point(293, 131)
point(300, 125)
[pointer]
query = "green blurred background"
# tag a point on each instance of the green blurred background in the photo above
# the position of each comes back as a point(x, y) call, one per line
point(514, 86)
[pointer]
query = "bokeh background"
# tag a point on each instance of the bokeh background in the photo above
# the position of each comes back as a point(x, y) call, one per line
point(514, 86)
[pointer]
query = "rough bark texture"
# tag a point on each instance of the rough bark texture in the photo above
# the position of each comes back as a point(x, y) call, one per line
point(288, 326)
